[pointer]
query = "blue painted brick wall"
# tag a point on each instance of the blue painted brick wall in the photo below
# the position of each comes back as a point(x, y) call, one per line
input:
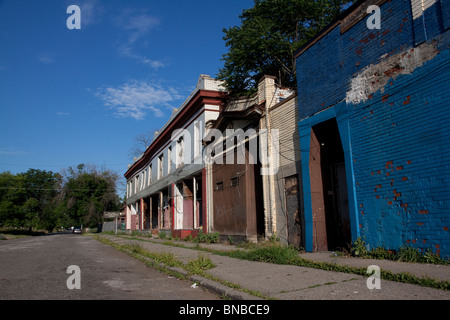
point(401, 154)
point(400, 146)
point(445, 6)
point(324, 70)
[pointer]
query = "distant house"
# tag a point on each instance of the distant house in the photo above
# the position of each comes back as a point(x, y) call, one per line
point(374, 114)
point(166, 185)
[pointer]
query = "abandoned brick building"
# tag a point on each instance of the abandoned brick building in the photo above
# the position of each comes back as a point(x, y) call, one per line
point(172, 188)
point(166, 185)
point(363, 143)
point(374, 110)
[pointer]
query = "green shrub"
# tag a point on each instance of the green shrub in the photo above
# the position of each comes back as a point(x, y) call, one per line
point(359, 248)
point(207, 238)
point(162, 235)
point(200, 264)
point(381, 253)
point(409, 254)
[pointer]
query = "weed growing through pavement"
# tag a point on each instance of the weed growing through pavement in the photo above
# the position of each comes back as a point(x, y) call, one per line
point(199, 265)
point(404, 254)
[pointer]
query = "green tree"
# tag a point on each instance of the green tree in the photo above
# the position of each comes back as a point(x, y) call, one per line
point(268, 37)
point(12, 198)
point(41, 188)
point(86, 194)
point(25, 199)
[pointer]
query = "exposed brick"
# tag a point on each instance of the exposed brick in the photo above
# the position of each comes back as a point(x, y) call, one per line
point(407, 101)
point(401, 141)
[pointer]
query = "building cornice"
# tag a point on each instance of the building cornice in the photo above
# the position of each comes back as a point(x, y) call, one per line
point(198, 101)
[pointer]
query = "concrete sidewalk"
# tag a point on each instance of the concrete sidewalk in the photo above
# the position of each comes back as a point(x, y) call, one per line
point(286, 282)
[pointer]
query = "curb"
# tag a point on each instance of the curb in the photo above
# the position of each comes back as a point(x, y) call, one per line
point(221, 289)
point(213, 286)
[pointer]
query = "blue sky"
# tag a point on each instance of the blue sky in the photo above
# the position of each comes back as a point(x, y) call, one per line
point(82, 96)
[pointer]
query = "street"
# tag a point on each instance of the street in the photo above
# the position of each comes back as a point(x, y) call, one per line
point(36, 268)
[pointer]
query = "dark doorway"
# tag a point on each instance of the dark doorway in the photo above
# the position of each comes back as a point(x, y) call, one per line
point(155, 205)
point(147, 213)
point(334, 185)
point(258, 183)
point(199, 199)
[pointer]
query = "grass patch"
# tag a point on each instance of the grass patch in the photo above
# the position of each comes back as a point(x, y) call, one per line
point(207, 238)
point(199, 265)
point(271, 253)
point(404, 254)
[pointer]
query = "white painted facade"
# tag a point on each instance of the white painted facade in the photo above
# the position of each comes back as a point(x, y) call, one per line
point(171, 162)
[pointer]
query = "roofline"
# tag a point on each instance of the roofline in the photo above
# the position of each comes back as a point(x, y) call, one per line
point(346, 19)
point(198, 100)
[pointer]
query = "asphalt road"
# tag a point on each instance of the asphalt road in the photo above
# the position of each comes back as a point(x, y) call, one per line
point(35, 268)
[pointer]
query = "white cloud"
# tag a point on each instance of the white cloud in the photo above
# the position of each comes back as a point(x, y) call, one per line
point(125, 50)
point(62, 114)
point(140, 24)
point(45, 58)
point(91, 11)
point(135, 98)
point(136, 26)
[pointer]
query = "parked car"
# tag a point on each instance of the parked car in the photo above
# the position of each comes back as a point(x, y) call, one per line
point(76, 230)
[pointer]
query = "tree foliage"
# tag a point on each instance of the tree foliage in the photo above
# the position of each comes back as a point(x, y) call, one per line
point(268, 37)
point(26, 199)
point(86, 194)
point(41, 200)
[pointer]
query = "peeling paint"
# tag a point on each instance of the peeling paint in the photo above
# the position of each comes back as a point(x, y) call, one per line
point(376, 76)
